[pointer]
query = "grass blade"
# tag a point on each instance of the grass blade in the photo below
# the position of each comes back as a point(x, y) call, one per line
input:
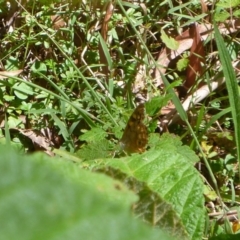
point(232, 86)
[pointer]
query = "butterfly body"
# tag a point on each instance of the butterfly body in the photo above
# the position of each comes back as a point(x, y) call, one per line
point(135, 136)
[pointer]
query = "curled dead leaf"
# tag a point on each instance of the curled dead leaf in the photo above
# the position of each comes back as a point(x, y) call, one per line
point(7, 74)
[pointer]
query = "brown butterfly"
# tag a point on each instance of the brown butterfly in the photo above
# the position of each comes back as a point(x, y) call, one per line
point(135, 136)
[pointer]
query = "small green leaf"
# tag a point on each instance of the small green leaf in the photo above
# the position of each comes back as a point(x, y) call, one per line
point(221, 16)
point(22, 90)
point(170, 42)
point(25, 106)
point(12, 63)
point(8, 98)
point(39, 67)
point(46, 44)
point(182, 64)
point(156, 103)
point(20, 95)
point(14, 122)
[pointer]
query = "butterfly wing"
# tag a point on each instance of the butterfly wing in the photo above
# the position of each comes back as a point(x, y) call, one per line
point(135, 136)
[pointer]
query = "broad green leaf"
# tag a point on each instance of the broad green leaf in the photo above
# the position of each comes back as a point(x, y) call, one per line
point(226, 237)
point(95, 150)
point(93, 135)
point(168, 171)
point(44, 198)
point(236, 13)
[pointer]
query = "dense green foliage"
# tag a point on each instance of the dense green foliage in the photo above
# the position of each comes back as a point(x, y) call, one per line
point(71, 73)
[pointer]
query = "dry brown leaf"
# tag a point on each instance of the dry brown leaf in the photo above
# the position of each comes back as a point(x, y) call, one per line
point(196, 58)
point(185, 42)
point(7, 74)
point(139, 84)
point(39, 141)
point(104, 31)
point(58, 22)
point(140, 79)
point(204, 9)
point(108, 15)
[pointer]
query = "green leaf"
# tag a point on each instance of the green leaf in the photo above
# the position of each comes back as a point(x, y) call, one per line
point(232, 86)
point(95, 150)
point(169, 173)
point(14, 122)
point(106, 52)
point(182, 64)
point(95, 134)
point(12, 63)
point(171, 141)
point(236, 13)
point(22, 90)
point(8, 98)
point(228, 4)
point(226, 237)
point(170, 42)
point(39, 67)
point(156, 103)
point(45, 198)
point(221, 16)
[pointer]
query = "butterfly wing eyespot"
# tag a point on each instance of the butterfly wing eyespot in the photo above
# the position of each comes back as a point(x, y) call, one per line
point(135, 136)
